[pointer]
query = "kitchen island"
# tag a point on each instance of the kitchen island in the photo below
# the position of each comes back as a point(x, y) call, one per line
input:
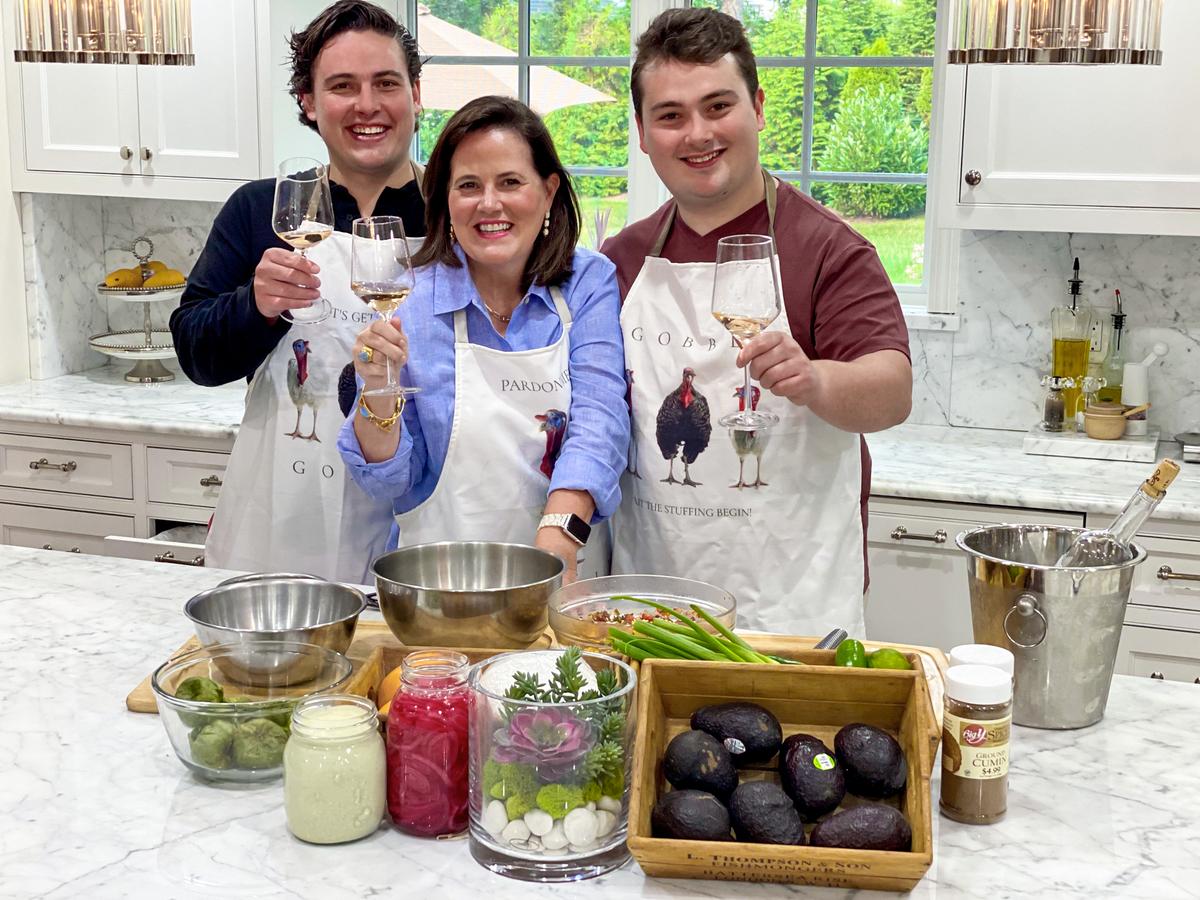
point(93, 803)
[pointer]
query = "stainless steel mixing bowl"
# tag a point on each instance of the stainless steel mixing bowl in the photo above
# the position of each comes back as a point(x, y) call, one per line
point(467, 593)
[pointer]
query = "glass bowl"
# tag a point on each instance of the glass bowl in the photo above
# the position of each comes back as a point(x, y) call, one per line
point(577, 609)
point(242, 737)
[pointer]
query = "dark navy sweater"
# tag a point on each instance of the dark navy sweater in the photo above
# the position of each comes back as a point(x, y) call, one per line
point(220, 336)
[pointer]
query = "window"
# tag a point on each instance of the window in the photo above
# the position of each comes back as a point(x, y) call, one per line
point(849, 88)
point(568, 59)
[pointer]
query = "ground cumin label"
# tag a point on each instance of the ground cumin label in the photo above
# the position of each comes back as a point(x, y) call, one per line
point(982, 746)
point(976, 727)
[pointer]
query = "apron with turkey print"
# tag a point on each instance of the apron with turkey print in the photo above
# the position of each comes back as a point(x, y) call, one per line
point(288, 504)
point(772, 516)
point(510, 420)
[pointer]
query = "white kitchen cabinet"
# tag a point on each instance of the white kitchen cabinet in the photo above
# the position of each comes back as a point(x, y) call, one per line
point(1166, 653)
point(135, 124)
point(919, 588)
point(1107, 149)
point(58, 529)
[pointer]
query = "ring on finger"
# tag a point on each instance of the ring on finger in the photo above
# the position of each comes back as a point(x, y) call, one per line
point(366, 354)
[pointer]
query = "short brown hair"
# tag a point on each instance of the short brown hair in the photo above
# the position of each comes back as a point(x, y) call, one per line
point(343, 16)
point(550, 261)
point(696, 35)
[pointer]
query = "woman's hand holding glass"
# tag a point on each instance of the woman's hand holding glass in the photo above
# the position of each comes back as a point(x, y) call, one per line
point(381, 275)
point(380, 345)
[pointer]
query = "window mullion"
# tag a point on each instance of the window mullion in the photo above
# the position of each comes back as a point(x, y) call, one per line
point(810, 80)
point(523, 43)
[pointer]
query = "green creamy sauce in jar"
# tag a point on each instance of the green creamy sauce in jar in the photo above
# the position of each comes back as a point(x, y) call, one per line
point(334, 770)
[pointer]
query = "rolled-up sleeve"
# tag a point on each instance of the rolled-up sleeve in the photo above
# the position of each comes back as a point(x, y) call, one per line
point(387, 479)
point(596, 448)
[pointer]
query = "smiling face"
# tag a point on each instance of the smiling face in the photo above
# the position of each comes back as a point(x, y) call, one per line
point(363, 104)
point(699, 125)
point(497, 200)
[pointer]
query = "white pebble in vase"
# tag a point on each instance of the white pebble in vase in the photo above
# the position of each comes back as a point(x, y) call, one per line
point(605, 823)
point(580, 827)
point(495, 818)
point(555, 839)
point(608, 804)
point(515, 831)
point(539, 822)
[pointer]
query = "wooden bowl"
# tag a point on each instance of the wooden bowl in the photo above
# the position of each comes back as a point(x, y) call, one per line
point(1103, 427)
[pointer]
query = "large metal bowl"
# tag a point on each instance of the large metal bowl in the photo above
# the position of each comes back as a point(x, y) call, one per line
point(282, 608)
point(467, 593)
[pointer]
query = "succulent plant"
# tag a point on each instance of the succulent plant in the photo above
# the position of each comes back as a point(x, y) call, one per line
point(553, 740)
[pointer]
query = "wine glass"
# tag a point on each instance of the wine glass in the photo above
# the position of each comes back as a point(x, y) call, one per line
point(381, 275)
point(746, 299)
point(303, 217)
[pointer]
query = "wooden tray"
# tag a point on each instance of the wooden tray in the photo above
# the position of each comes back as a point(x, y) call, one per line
point(814, 699)
point(370, 636)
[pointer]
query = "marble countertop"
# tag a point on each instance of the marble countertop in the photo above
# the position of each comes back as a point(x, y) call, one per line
point(102, 398)
point(93, 803)
point(986, 466)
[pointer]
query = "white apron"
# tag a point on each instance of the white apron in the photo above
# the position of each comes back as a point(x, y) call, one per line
point(492, 486)
point(288, 504)
point(773, 516)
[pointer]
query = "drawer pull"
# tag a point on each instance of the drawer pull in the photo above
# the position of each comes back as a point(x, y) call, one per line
point(72, 550)
point(1165, 574)
point(900, 533)
point(38, 464)
point(211, 481)
point(1158, 676)
point(169, 557)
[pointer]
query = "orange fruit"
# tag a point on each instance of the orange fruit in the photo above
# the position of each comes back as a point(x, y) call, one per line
point(387, 688)
point(383, 710)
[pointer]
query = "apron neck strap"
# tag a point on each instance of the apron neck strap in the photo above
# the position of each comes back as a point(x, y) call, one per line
point(771, 197)
point(460, 326)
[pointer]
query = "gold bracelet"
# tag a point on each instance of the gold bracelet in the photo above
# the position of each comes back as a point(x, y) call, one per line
point(380, 421)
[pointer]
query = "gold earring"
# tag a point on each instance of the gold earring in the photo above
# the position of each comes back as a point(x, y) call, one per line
point(452, 238)
point(546, 225)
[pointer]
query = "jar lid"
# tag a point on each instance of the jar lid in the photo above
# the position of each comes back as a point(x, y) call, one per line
point(981, 685)
point(1105, 408)
point(983, 655)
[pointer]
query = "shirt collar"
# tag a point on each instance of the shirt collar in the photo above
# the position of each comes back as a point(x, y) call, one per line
point(454, 289)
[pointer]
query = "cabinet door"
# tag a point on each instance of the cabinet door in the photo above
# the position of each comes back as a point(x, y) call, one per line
point(59, 529)
point(80, 118)
point(1145, 652)
point(1090, 136)
point(919, 587)
point(201, 121)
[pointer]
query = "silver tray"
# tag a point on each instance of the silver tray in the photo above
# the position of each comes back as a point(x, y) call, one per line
point(142, 294)
point(132, 344)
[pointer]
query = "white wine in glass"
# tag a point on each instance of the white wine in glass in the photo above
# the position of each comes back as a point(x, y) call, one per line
point(381, 275)
point(303, 217)
point(746, 299)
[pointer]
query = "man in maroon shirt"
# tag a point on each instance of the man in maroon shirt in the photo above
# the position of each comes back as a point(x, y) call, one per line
point(834, 366)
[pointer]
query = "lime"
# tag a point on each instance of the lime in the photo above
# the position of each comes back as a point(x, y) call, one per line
point(850, 653)
point(888, 658)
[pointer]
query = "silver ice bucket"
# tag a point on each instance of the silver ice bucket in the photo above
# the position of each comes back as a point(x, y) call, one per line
point(1063, 625)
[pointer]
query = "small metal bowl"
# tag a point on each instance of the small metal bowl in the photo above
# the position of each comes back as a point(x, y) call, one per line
point(572, 607)
point(467, 593)
point(283, 608)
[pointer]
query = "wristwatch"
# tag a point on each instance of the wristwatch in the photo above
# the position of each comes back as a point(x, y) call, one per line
point(576, 529)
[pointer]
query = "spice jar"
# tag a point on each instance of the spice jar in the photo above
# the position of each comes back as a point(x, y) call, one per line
point(427, 750)
point(975, 735)
point(1054, 407)
point(334, 770)
point(983, 655)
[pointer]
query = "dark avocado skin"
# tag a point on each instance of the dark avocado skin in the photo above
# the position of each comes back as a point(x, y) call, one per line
point(690, 816)
point(750, 723)
point(871, 826)
point(763, 814)
point(814, 791)
point(874, 763)
point(697, 760)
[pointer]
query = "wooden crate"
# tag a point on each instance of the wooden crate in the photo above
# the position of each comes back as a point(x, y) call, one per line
point(816, 700)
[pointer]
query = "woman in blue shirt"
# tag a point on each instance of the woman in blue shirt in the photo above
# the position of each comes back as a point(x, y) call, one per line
point(520, 430)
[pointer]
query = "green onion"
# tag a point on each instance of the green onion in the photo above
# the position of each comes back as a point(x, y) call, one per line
point(678, 641)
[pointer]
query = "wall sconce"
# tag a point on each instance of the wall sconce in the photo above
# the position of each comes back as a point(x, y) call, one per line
point(129, 32)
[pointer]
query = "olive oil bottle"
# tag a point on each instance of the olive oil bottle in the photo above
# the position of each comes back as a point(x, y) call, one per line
point(1071, 327)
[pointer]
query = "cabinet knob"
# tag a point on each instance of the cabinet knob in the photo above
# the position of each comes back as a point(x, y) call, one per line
point(973, 177)
point(74, 550)
point(126, 153)
point(146, 154)
point(211, 481)
point(900, 533)
point(1158, 676)
point(47, 547)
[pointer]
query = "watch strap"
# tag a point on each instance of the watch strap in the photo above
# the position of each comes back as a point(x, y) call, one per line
point(575, 528)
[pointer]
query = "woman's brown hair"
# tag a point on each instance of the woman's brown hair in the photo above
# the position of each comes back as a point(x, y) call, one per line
point(550, 260)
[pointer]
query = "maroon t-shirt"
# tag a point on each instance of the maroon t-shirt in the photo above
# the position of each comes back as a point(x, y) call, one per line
point(840, 302)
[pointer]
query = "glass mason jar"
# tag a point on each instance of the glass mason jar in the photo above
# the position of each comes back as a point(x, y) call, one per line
point(333, 770)
point(550, 780)
point(427, 745)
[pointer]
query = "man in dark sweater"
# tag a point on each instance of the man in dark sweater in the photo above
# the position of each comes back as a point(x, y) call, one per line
point(355, 77)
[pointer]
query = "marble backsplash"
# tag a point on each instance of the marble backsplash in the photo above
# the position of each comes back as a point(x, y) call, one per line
point(985, 375)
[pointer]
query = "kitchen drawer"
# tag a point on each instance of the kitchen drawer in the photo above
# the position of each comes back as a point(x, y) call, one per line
point(1146, 652)
point(59, 529)
point(185, 477)
point(72, 467)
point(929, 525)
point(168, 552)
point(1154, 589)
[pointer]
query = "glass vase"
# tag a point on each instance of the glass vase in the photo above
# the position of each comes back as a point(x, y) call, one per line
point(549, 779)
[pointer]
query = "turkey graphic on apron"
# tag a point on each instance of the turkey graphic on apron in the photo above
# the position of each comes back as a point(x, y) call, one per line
point(772, 516)
point(288, 503)
point(502, 447)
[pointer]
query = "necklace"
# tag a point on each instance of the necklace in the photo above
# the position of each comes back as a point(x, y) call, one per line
point(499, 317)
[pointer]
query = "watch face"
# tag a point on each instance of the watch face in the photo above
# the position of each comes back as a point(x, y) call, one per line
point(578, 529)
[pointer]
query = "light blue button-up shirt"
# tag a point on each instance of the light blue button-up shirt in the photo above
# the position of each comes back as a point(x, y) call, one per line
point(597, 442)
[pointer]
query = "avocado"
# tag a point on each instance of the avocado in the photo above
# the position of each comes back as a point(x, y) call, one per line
point(696, 759)
point(811, 776)
point(871, 826)
point(690, 816)
point(875, 764)
point(748, 731)
point(763, 814)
